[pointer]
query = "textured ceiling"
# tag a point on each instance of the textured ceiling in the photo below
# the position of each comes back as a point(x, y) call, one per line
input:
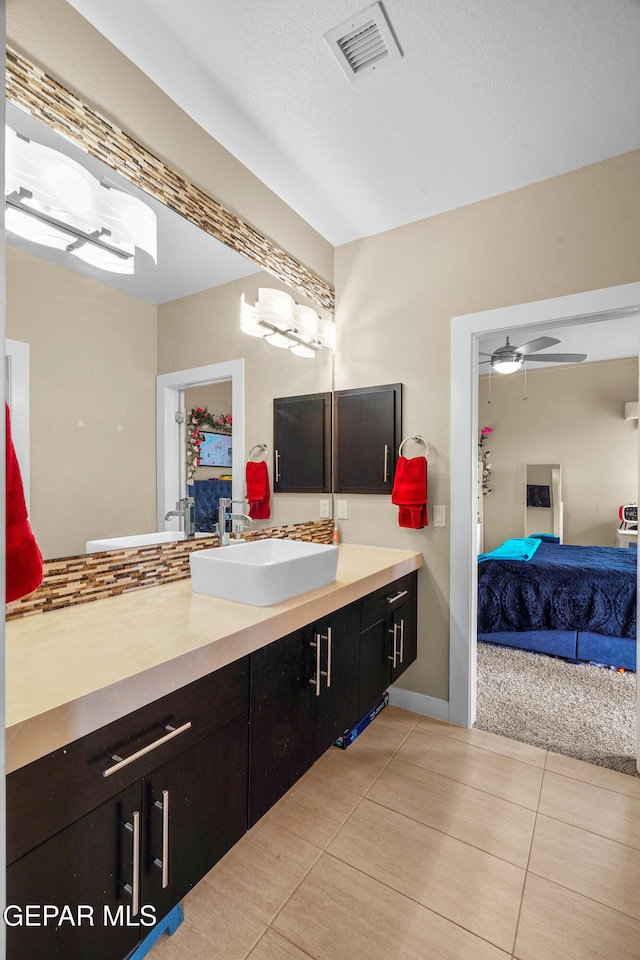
point(489, 96)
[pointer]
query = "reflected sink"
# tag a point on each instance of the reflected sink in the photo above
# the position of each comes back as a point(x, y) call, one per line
point(137, 540)
point(263, 572)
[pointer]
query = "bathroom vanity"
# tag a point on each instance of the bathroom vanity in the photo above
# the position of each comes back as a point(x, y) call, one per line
point(146, 732)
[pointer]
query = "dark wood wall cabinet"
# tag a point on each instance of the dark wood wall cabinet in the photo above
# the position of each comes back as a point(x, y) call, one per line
point(302, 444)
point(119, 825)
point(367, 426)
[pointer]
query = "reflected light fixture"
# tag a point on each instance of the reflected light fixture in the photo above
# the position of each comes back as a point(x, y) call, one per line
point(278, 319)
point(53, 201)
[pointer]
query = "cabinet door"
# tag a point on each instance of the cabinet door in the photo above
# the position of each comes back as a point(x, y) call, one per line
point(86, 864)
point(404, 627)
point(376, 650)
point(338, 698)
point(196, 809)
point(367, 427)
point(302, 444)
point(282, 719)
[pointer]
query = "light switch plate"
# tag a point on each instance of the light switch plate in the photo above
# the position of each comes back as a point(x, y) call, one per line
point(439, 516)
point(324, 510)
point(343, 509)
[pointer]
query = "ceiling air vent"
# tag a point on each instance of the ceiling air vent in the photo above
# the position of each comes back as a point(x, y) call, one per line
point(364, 42)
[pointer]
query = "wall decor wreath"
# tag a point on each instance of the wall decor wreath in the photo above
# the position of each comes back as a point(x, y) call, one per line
point(200, 421)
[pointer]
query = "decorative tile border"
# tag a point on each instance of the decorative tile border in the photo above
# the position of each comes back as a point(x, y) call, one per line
point(93, 576)
point(35, 91)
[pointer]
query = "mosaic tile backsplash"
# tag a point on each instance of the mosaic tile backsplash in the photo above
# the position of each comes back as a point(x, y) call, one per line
point(93, 576)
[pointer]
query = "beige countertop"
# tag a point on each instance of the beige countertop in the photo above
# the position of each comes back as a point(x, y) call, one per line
point(74, 670)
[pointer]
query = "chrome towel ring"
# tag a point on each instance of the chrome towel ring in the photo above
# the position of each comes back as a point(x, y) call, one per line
point(258, 446)
point(418, 439)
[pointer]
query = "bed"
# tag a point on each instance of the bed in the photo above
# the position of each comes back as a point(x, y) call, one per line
point(570, 601)
point(206, 494)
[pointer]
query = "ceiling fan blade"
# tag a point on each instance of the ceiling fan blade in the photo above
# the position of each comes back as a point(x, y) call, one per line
point(533, 345)
point(558, 358)
point(481, 354)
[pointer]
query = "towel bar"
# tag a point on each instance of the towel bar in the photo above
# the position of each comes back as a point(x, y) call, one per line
point(418, 439)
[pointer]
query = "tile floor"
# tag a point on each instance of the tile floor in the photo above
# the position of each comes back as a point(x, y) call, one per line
point(426, 841)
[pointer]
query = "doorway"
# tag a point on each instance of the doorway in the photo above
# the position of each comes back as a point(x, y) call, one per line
point(466, 332)
point(171, 432)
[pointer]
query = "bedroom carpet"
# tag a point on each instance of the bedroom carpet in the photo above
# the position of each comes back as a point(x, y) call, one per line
point(574, 709)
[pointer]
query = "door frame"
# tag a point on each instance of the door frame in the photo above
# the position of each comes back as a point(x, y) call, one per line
point(466, 331)
point(170, 436)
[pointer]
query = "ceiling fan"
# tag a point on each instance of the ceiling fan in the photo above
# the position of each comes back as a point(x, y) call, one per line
point(508, 359)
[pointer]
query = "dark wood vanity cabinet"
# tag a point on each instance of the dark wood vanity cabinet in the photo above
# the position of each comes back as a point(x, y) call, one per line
point(185, 776)
point(302, 444)
point(388, 638)
point(164, 820)
point(367, 425)
point(304, 694)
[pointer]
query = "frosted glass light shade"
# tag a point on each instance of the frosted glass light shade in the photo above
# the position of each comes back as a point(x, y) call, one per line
point(57, 187)
point(506, 366)
point(277, 318)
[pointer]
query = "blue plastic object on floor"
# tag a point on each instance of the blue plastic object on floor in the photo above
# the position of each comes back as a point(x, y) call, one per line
point(168, 924)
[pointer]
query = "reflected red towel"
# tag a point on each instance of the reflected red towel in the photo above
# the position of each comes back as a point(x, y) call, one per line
point(258, 493)
point(24, 560)
point(410, 492)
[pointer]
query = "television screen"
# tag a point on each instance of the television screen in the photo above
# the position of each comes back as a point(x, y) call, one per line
point(538, 495)
point(215, 450)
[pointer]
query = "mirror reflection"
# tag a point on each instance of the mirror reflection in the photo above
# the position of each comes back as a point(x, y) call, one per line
point(543, 500)
point(95, 343)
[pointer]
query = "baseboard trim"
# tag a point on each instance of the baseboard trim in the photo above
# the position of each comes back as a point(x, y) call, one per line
point(419, 703)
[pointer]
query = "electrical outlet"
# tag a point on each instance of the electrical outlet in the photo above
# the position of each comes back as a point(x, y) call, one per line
point(343, 509)
point(439, 516)
point(324, 510)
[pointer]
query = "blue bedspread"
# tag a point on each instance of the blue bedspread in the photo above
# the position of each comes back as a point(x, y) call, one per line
point(562, 587)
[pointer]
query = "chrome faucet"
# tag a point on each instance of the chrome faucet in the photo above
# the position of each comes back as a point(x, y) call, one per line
point(186, 509)
point(224, 504)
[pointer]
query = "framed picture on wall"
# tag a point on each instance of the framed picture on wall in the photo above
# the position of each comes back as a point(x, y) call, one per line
point(215, 450)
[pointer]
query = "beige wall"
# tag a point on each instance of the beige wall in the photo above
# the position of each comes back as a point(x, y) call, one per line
point(572, 416)
point(396, 294)
point(204, 329)
point(54, 36)
point(92, 382)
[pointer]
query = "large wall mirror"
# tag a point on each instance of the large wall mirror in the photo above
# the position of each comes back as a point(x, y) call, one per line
point(97, 341)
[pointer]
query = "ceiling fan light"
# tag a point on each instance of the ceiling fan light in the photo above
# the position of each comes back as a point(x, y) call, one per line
point(506, 364)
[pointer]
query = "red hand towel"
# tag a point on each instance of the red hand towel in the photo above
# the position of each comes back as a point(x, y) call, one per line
point(258, 493)
point(24, 560)
point(410, 492)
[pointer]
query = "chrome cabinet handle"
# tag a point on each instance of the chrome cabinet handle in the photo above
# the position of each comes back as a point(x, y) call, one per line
point(398, 596)
point(402, 641)
point(393, 631)
point(385, 475)
point(133, 888)
point(317, 644)
point(277, 456)
point(315, 681)
point(163, 864)
point(125, 761)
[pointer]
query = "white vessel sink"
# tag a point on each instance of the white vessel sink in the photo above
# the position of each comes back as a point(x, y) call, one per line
point(264, 571)
point(137, 540)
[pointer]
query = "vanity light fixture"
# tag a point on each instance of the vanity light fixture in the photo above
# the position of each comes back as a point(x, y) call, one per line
point(278, 319)
point(53, 201)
